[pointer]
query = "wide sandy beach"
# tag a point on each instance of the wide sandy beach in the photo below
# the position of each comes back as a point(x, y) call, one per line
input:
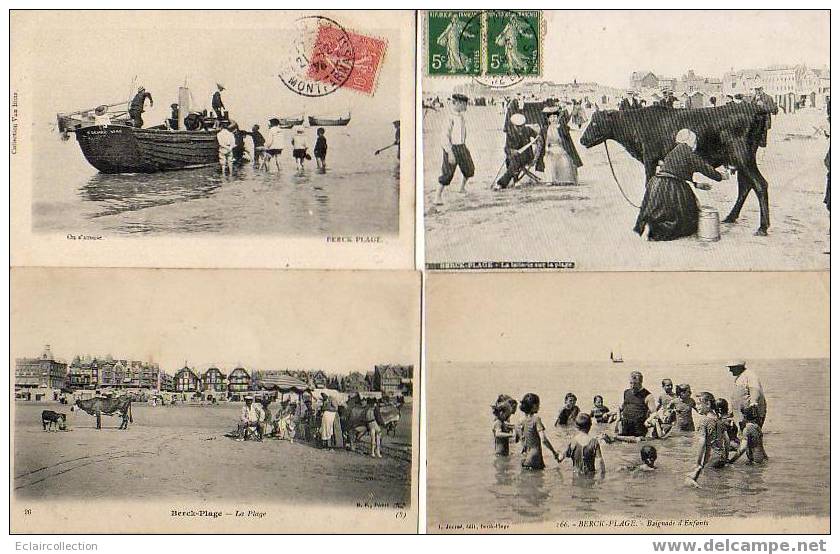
point(592, 225)
point(180, 452)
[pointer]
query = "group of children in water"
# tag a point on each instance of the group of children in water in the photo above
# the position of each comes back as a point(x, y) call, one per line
point(268, 149)
point(719, 443)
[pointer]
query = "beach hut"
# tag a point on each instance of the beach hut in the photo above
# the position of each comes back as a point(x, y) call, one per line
point(284, 384)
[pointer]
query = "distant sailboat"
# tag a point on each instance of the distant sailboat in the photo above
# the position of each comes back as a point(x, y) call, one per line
point(616, 358)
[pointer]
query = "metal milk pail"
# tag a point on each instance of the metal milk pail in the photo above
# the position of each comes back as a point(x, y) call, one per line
point(708, 228)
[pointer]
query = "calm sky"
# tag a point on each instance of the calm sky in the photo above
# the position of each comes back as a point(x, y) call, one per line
point(650, 316)
point(607, 46)
point(337, 321)
point(82, 59)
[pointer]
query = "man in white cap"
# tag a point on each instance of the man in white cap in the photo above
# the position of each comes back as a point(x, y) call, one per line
point(748, 394)
point(456, 155)
point(251, 416)
point(519, 152)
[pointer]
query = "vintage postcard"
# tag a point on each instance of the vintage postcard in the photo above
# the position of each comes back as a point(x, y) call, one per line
point(604, 140)
point(214, 401)
point(257, 139)
point(628, 403)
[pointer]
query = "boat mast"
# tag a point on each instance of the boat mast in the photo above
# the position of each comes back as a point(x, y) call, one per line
point(183, 104)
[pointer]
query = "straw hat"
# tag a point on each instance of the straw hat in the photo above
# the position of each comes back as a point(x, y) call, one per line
point(101, 110)
point(220, 86)
point(517, 119)
point(736, 363)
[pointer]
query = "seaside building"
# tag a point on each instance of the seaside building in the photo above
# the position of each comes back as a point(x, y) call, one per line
point(319, 380)
point(238, 384)
point(185, 380)
point(388, 378)
point(83, 373)
point(166, 383)
point(44, 372)
point(214, 383)
point(640, 80)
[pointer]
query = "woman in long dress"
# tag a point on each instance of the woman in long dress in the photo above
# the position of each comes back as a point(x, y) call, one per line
point(669, 209)
point(558, 157)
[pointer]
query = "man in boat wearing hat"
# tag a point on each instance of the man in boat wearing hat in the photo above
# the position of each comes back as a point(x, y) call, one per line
point(519, 153)
point(217, 104)
point(748, 393)
point(455, 152)
point(765, 101)
point(138, 106)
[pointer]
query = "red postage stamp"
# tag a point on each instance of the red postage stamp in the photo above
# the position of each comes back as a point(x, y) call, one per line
point(368, 54)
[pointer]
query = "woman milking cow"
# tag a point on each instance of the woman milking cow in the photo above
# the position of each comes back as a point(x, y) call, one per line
point(670, 209)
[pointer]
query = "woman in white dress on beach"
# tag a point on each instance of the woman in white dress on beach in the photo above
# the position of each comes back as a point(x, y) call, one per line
point(558, 157)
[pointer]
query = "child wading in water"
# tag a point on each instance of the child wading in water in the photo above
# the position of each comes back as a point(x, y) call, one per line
point(583, 449)
point(533, 434)
point(600, 413)
point(569, 411)
point(713, 440)
point(299, 148)
point(648, 455)
point(320, 149)
point(503, 409)
point(684, 406)
point(752, 443)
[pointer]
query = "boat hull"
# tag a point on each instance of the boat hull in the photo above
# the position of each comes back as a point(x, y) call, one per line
point(124, 149)
point(320, 122)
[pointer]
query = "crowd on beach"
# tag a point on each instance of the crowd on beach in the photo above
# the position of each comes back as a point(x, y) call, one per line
point(310, 420)
point(669, 209)
point(723, 434)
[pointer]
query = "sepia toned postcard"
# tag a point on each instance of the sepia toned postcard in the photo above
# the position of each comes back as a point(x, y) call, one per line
point(214, 401)
point(604, 140)
point(628, 403)
point(256, 139)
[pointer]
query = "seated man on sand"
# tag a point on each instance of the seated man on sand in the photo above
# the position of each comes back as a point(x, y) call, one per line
point(250, 419)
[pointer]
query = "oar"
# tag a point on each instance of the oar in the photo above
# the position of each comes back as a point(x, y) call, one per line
point(384, 149)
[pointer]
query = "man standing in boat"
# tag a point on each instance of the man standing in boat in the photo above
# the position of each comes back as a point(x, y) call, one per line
point(217, 104)
point(138, 105)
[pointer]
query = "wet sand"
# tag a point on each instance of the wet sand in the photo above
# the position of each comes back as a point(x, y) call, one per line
point(592, 225)
point(180, 452)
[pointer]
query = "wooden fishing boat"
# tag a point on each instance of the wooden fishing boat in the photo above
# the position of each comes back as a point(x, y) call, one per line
point(125, 149)
point(329, 121)
point(289, 122)
point(116, 146)
point(616, 358)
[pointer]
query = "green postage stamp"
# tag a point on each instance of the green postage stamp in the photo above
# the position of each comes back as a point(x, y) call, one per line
point(484, 42)
point(513, 45)
point(453, 42)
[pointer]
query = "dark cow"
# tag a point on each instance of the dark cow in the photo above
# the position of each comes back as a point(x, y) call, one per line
point(50, 418)
point(726, 135)
point(108, 406)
